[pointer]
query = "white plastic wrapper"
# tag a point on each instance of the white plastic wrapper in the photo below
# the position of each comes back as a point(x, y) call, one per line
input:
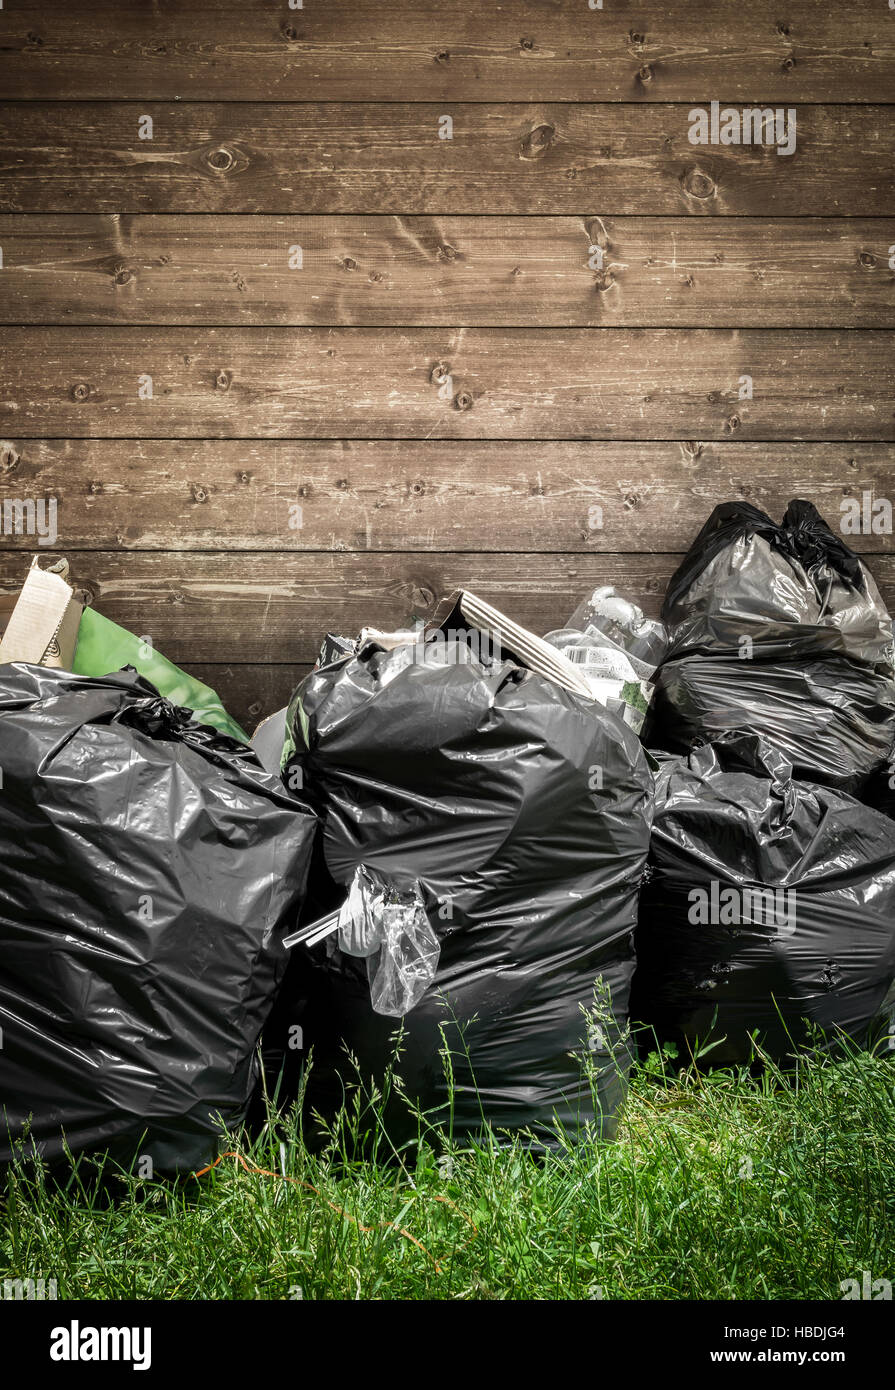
point(390, 928)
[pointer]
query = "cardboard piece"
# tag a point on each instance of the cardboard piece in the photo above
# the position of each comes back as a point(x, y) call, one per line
point(461, 609)
point(43, 625)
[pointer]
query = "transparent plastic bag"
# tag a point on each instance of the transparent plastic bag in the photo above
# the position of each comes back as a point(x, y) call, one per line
point(390, 928)
point(614, 679)
point(624, 627)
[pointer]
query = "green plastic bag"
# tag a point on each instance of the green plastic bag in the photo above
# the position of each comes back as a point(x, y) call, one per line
point(104, 647)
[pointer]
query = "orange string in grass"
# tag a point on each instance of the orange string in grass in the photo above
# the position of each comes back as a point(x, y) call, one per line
point(380, 1225)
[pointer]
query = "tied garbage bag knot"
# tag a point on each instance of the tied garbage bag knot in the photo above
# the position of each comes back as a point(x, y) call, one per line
point(158, 716)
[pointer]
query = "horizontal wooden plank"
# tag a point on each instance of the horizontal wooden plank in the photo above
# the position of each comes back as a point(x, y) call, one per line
point(251, 693)
point(431, 495)
point(505, 271)
point(526, 50)
point(276, 608)
point(389, 158)
point(435, 383)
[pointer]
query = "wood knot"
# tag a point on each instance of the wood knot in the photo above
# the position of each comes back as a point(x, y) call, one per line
point(35, 40)
point(788, 63)
point(691, 448)
point(439, 373)
point(349, 263)
point(631, 501)
point(94, 488)
point(697, 184)
point(341, 484)
point(645, 74)
point(290, 33)
point(123, 276)
point(9, 458)
point(636, 40)
point(443, 56)
point(254, 709)
point(417, 489)
point(375, 276)
point(220, 160)
point(604, 280)
point(527, 44)
point(537, 142)
point(597, 233)
point(223, 380)
point(200, 493)
point(715, 397)
point(732, 424)
point(689, 281)
point(783, 31)
point(463, 401)
point(243, 477)
point(446, 252)
point(304, 490)
point(853, 463)
point(867, 260)
point(80, 391)
point(421, 597)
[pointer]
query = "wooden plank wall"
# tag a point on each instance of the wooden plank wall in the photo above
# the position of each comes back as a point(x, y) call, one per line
point(246, 284)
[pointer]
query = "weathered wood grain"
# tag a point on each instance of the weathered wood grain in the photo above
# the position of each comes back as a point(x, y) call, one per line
point(275, 608)
point(250, 693)
point(459, 383)
point(525, 50)
point(431, 495)
point(311, 157)
point(430, 271)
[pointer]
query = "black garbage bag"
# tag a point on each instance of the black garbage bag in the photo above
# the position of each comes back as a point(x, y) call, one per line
point(779, 631)
point(523, 811)
point(150, 870)
point(768, 902)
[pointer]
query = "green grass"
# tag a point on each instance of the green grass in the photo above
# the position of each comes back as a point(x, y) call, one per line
point(723, 1186)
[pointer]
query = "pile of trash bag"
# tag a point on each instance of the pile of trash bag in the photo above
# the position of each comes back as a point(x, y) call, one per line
point(151, 869)
point(769, 902)
point(448, 829)
point(522, 812)
point(779, 631)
